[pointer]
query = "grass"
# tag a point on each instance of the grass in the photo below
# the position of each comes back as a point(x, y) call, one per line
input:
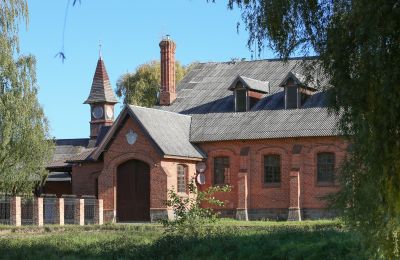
point(235, 240)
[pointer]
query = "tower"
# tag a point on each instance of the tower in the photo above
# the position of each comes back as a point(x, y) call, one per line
point(168, 84)
point(101, 100)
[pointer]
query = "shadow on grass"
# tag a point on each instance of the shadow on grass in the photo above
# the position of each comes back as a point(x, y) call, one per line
point(231, 244)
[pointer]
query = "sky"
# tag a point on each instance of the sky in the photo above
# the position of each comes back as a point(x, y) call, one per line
point(129, 32)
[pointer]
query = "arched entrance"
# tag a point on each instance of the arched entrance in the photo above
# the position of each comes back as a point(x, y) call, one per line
point(133, 191)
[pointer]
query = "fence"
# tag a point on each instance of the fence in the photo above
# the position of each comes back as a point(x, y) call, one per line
point(5, 210)
point(50, 210)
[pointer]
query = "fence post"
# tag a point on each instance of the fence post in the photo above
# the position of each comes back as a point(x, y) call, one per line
point(60, 211)
point(15, 211)
point(79, 213)
point(38, 211)
point(98, 212)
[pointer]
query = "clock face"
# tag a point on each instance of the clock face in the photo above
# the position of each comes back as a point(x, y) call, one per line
point(97, 112)
point(109, 113)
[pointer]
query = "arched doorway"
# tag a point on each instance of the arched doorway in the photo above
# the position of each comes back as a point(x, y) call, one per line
point(133, 191)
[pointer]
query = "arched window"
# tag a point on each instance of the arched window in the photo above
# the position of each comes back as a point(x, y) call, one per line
point(181, 180)
point(272, 169)
point(325, 167)
point(221, 170)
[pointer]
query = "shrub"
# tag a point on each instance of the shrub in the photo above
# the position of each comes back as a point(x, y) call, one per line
point(191, 219)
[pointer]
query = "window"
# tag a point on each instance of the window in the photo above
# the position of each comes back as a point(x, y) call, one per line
point(241, 100)
point(272, 169)
point(325, 167)
point(291, 97)
point(221, 170)
point(181, 185)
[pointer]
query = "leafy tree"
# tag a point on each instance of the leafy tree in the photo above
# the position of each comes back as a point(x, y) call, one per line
point(24, 140)
point(358, 45)
point(141, 87)
point(191, 217)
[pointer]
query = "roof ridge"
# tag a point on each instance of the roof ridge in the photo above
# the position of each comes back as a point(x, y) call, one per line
point(266, 59)
point(161, 110)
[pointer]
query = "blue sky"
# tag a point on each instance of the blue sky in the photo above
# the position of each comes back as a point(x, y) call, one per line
point(130, 32)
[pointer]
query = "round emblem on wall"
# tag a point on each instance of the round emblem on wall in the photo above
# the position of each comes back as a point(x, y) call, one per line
point(109, 113)
point(201, 178)
point(201, 167)
point(131, 137)
point(97, 112)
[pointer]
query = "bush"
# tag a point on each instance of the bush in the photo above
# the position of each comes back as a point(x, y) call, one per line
point(191, 219)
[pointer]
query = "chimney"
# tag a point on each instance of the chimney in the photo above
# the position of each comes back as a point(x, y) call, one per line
point(168, 88)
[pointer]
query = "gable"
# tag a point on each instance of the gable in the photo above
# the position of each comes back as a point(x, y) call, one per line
point(167, 132)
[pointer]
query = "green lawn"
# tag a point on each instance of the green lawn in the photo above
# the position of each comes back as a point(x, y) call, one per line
point(237, 239)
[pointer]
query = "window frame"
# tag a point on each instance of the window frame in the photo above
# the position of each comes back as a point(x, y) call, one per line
point(271, 184)
point(317, 169)
point(227, 166)
point(184, 167)
point(246, 99)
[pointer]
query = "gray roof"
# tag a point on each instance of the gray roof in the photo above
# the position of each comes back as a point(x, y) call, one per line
point(252, 84)
point(205, 88)
point(263, 124)
point(170, 131)
point(58, 176)
point(65, 149)
point(101, 90)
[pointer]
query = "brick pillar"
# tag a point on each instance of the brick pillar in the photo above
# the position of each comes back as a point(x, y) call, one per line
point(38, 211)
point(241, 211)
point(79, 212)
point(15, 211)
point(59, 216)
point(98, 212)
point(294, 204)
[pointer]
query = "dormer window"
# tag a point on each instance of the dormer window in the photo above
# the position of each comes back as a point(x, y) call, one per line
point(247, 92)
point(241, 99)
point(296, 91)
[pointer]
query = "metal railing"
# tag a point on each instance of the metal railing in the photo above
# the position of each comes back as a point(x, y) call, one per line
point(50, 209)
point(27, 204)
point(69, 209)
point(5, 209)
point(90, 207)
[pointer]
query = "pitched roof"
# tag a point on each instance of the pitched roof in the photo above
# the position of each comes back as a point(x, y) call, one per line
point(101, 90)
point(169, 131)
point(65, 149)
point(58, 176)
point(263, 124)
point(252, 84)
point(204, 89)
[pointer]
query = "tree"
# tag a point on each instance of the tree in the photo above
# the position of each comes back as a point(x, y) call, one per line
point(358, 45)
point(141, 87)
point(25, 146)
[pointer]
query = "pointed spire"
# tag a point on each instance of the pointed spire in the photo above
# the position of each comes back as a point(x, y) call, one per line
point(101, 90)
point(100, 50)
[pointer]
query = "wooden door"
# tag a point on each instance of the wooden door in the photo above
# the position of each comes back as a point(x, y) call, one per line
point(133, 191)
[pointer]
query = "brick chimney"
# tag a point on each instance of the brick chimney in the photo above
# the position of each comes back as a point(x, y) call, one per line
point(168, 84)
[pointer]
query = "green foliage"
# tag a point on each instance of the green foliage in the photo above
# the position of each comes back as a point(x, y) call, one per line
point(141, 87)
point(358, 45)
point(24, 141)
point(192, 218)
point(263, 240)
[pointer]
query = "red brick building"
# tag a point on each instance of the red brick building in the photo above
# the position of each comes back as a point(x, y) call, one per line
point(258, 126)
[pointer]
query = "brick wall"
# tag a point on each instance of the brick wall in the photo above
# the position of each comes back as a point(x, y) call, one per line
point(269, 199)
point(84, 178)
